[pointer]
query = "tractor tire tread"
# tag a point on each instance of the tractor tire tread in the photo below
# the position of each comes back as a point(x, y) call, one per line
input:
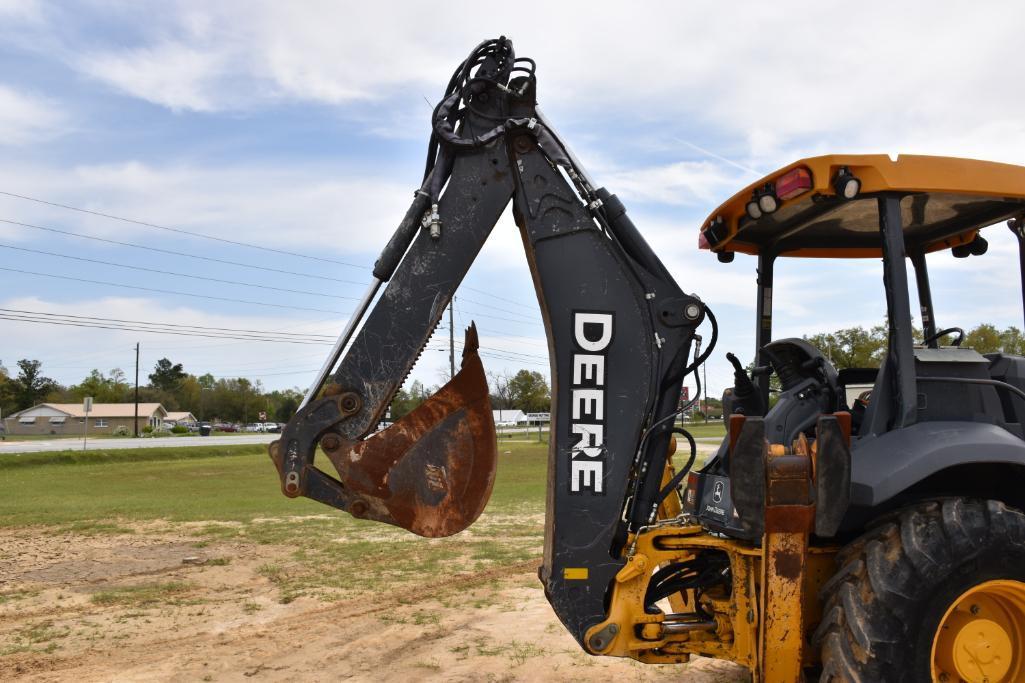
point(870, 606)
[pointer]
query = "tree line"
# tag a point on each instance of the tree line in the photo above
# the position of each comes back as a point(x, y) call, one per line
point(241, 400)
point(230, 399)
point(525, 390)
point(208, 398)
point(859, 347)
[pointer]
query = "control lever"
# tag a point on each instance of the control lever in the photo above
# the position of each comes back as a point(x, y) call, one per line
point(747, 400)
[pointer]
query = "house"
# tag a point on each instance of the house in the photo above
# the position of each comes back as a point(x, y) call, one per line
point(68, 419)
point(178, 417)
point(507, 418)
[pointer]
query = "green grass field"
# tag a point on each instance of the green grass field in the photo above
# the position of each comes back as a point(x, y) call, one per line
point(215, 483)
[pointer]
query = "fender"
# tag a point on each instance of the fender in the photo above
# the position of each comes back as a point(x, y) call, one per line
point(886, 465)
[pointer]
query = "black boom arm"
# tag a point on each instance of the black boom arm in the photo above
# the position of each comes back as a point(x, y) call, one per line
point(619, 331)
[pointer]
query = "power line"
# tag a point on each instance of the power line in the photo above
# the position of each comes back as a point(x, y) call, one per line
point(238, 334)
point(496, 308)
point(181, 231)
point(127, 328)
point(171, 291)
point(500, 298)
point(146, 247)
point(318, 337)
point(170, 272)
point(520, 321)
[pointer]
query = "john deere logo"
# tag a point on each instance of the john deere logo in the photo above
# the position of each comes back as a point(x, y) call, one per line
point(717, 492)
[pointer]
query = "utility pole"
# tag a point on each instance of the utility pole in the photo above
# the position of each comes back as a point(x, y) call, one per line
point(704, 388)
point(451, 341)
point(136, 422)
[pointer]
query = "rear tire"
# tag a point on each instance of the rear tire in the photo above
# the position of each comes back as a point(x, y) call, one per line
point(895, 584)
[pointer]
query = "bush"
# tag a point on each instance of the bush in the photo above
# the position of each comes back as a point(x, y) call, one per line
point(122, 430)
point(179, 429)
point(148, 429)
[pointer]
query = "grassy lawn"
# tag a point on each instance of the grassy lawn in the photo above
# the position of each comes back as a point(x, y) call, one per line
point(235, 491)
point(700, 429)
point(217, 483)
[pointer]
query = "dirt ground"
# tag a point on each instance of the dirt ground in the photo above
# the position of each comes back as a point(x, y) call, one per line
point(149, 602)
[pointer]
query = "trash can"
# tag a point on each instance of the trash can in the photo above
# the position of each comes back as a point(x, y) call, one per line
point(204, 429)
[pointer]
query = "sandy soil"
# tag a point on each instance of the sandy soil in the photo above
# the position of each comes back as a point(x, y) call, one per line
point(150, 605)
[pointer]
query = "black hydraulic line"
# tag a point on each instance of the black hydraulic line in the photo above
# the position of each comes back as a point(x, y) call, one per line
point(400, 240)
point(697, 380)
point(674, 483)
point(628, 234)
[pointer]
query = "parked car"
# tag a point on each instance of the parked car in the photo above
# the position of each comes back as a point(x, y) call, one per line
point(271, 427)
point(225, 427)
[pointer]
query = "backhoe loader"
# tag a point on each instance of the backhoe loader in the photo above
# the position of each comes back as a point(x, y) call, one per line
point(876, 539)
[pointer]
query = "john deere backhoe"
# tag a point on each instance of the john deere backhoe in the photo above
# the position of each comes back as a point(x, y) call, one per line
point(872, 539)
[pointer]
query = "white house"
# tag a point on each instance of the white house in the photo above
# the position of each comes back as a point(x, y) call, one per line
point(507, 418)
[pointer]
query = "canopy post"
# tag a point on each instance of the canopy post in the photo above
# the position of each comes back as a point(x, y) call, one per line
point(901, 353)
point(763, 329)
point(1017, 226)
point(924, 297)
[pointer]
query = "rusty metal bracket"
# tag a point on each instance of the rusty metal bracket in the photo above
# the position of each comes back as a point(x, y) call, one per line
point(789, 520)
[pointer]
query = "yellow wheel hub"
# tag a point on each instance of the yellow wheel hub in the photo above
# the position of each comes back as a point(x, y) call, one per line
point(981, 638)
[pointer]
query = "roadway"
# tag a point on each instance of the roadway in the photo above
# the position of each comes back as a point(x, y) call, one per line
point(706, 445)
point(75, 444)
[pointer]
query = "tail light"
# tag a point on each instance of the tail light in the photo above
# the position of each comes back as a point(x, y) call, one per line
point(690, 496)
point(793, 183)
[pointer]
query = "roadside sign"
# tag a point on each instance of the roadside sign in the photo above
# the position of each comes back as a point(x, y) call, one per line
point(263, 416)
point(87, 406)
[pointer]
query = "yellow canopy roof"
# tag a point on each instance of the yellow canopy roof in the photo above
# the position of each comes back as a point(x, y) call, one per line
point(945, 201)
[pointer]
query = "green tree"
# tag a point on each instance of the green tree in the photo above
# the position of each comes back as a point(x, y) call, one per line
point(8, 401)
point(408, 399)
point(285, 403)
point(1012, 341)
point(498, 384)
point(103, 389)
point(852, 347)
point(166, 375)
point(30, 387)
point(985, 339)
point(529, 392)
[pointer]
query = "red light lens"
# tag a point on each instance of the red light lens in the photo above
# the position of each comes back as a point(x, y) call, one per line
point(793, 183)
point(703, 241)
point(690, 499)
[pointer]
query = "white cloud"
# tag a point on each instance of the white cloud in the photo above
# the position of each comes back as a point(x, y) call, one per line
point(694, 183)
point(20, 9)
point(301, 209)
point(173, 75)
point(924, 74)
point(26, 118)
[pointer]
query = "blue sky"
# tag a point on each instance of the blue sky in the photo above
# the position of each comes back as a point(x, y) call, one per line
point(302, 127)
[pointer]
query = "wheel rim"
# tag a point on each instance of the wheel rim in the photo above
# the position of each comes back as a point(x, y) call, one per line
point(981, 638)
